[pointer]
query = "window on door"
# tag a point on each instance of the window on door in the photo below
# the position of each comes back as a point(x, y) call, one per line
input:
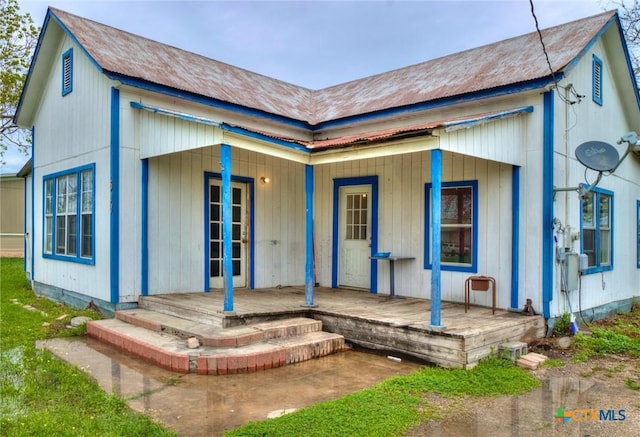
point(356, 221)
point(458, 233)
point(596, 229)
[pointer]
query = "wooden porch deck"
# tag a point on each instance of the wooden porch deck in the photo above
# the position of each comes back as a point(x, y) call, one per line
point(376, 321)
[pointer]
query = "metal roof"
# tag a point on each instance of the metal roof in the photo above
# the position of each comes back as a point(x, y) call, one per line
point(496, 65)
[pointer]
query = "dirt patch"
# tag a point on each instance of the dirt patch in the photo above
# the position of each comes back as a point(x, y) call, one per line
point(600, 396)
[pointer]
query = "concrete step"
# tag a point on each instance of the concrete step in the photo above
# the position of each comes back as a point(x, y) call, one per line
point(182, 308)
point(171, 351)
point(210, 335)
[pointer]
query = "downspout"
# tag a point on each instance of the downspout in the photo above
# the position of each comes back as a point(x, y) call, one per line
point(114, 221)
point(547, 201)
point(144, 229)
point(515, 236)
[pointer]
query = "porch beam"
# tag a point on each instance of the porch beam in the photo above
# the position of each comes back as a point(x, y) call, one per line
point(391, 148)
point(309, 271)
point(436, 220)
point(227, 262)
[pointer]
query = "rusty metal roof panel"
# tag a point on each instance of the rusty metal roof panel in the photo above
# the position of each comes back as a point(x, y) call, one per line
point(504, 63)
point(131, 55)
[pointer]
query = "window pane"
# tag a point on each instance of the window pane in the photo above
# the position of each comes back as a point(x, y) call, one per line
point(87, 191)
point(48, 234)
point(605, 247)
point(236, 195)
point(215, 193)
point(236, 213)
point(71, 235)
point(456, 245)
point(589, 245)
point(604, 210)
point(587, 210)
point(62, 195)
point(235, 250)
point(236, 268)
point(61, 236)
point(72, 194)
point(86, 243)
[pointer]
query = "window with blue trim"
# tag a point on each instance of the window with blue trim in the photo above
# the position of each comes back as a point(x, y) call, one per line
point(69, 225)
point(596, 229)
point(459, 226)
point(597, 73)
point(67, 72)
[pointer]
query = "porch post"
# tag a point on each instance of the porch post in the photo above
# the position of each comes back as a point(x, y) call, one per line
point(436, 219)
point(309, 271)
point(227, 262)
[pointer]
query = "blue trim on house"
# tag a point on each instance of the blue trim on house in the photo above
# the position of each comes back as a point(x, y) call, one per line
point(227, 234)
point(547, 200)
point(24, 224)
point(638, 231)
point(66, 89)
point(309, 276)
point(627, 57)
point(337, 184)
point(436, 246)
point(428, 211)
point(515, 236)
point(596, 207)
point(77, 258)
point(251, 186)
point(144, 228)
point(114, 220)
point(33, 200)
point(597, 81)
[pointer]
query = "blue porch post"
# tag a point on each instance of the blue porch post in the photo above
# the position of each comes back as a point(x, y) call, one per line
point(114, 219)
point(309, 277)
point(547, 202)
point(515, 236)
point(436, 219)
point(227, 262)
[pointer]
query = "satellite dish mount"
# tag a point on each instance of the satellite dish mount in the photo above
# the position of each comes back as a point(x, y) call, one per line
point(603, 158)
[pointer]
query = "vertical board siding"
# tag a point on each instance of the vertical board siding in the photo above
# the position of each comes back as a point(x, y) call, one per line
point(72, 131)
point(401, 220)
point(588, 121)
point(176, 218)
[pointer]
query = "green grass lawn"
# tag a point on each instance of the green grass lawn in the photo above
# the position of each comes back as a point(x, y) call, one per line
point(40, 394)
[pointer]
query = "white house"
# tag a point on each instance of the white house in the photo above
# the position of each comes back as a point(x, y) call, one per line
point(145, 156)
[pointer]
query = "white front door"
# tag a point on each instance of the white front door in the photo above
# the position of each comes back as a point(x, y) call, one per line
point(239, 233)
point(355, 236)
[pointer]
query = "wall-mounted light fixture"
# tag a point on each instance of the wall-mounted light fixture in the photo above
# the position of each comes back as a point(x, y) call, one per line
point(264, 180)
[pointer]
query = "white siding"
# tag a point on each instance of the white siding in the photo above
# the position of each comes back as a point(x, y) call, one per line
point(401, 220)
point(576, 124)
point(72, 131)
point(176, 218)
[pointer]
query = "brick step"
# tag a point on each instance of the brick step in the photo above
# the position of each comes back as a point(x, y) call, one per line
point(171, 352)
point(210, 335)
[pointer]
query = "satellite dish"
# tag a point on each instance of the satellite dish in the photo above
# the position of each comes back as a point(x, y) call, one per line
point(597, 155)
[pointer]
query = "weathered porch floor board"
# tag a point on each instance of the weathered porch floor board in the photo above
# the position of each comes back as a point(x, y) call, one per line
point(399, 325)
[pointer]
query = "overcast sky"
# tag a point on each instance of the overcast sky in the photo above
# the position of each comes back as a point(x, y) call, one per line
point(316, 44)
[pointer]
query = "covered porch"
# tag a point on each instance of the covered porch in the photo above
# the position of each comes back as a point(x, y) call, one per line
point(398, 325)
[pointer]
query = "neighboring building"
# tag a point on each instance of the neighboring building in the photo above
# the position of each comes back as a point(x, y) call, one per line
point(12, 224)
point(140, 149)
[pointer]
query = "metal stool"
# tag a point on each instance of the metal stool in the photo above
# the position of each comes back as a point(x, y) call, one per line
point(479, 283)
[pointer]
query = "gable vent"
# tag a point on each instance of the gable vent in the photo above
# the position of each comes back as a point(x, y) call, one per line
point(67, 72)
point(597, 80)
